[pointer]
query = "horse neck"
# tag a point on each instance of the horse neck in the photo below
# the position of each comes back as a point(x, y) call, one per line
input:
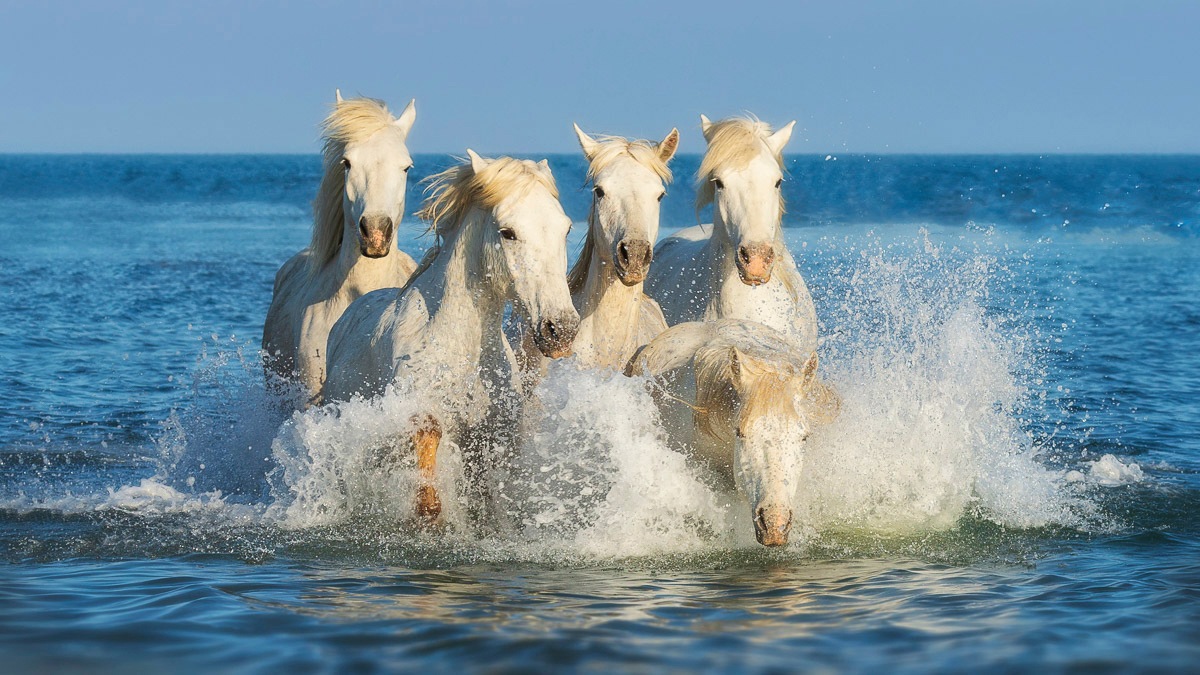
point(719, 249)
point(462, 301)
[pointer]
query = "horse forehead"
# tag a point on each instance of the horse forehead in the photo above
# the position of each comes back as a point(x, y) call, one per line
point(383, 145)
point(534, 207)
point(761, 168)
point(626, 173)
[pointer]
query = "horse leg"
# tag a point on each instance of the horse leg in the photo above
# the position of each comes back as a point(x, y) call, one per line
point(425, 440)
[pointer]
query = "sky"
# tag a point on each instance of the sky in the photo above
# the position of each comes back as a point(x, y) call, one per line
point(510, 77)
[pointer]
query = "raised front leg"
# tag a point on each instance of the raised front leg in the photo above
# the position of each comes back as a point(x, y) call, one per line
point(425, 440)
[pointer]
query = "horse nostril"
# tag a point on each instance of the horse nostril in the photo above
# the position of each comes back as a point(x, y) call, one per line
point(769, 256)
point(362, 226)
point(744, 254)
point(623, 253)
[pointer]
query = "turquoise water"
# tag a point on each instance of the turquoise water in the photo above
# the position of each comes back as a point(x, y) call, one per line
point(1012, 484)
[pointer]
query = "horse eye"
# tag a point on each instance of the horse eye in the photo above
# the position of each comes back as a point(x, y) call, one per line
point(407, 168)
point(778, 183)
point(717, 183)
point(346, 163)
point(660, 197)
point(507, 233)
point(599, 192)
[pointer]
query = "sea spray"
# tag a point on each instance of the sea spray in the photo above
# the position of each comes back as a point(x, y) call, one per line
point(220, 438)
point(933, 381)
point(600, 476)
point(352, 459)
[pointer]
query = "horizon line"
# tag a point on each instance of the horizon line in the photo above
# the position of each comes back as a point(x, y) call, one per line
point(832, 156)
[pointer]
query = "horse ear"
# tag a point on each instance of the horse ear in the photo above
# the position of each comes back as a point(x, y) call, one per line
point(589, 144)
point(337, 94)
point(810, 369)
point(405, 121)
point(544, 167)
point(477, 163)
point(705, 125)
point(668, 146)
point(735, 362)
point(780, 138)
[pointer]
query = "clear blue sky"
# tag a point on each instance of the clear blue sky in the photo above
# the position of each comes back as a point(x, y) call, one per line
point(954, 76)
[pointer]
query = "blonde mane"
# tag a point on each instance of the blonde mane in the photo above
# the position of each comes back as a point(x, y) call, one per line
point(769, 376)
point(610, 149)
point(351, 121)
point(732, 142)
point(457, 190)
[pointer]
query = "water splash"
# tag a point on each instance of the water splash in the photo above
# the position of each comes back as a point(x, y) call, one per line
point(939, 384)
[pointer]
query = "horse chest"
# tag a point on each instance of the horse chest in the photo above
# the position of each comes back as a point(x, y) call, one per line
point(768, 304)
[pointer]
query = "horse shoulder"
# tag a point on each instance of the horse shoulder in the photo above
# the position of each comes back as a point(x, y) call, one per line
point(359, 351)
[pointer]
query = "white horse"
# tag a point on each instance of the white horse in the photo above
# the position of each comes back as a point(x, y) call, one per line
point(742, 398)
point(737, 267)
point(353, 249)
point(628, 183)
point(502, 238)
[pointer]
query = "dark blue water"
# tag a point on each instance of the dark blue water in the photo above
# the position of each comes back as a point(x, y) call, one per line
point(1013, 482)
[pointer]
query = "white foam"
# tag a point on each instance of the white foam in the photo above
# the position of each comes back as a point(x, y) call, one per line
point(1109, 471)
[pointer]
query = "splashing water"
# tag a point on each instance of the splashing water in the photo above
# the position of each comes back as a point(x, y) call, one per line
point(932, 430)
point(931, 423)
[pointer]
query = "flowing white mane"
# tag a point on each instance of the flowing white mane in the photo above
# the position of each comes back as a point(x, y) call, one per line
point(351, 121)
point(611, 148)
point(732, 142)
point(743, 371)
point(458, 189)
point(746, 362)
point(645, 153)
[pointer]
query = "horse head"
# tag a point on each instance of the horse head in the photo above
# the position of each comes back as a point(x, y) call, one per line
point(628, 183)
point(526, 247)
point(375, 162)
point(741, 175)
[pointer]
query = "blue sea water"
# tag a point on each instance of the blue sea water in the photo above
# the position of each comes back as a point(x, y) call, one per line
point(1014, 481)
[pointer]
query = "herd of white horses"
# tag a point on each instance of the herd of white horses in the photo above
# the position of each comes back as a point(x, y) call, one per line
point(721, 325)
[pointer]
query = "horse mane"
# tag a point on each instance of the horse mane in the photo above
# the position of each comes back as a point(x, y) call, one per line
point(577, 275)
point(732, 142)
point(610, 149)
point(458, 189)
point(769, 375)
point(351, 121)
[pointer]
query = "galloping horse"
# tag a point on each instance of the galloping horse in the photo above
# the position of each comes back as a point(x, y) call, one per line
point(502, 238)
point(353, 249)
point(628, 183)
point(741, 398)
point(737, 267)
